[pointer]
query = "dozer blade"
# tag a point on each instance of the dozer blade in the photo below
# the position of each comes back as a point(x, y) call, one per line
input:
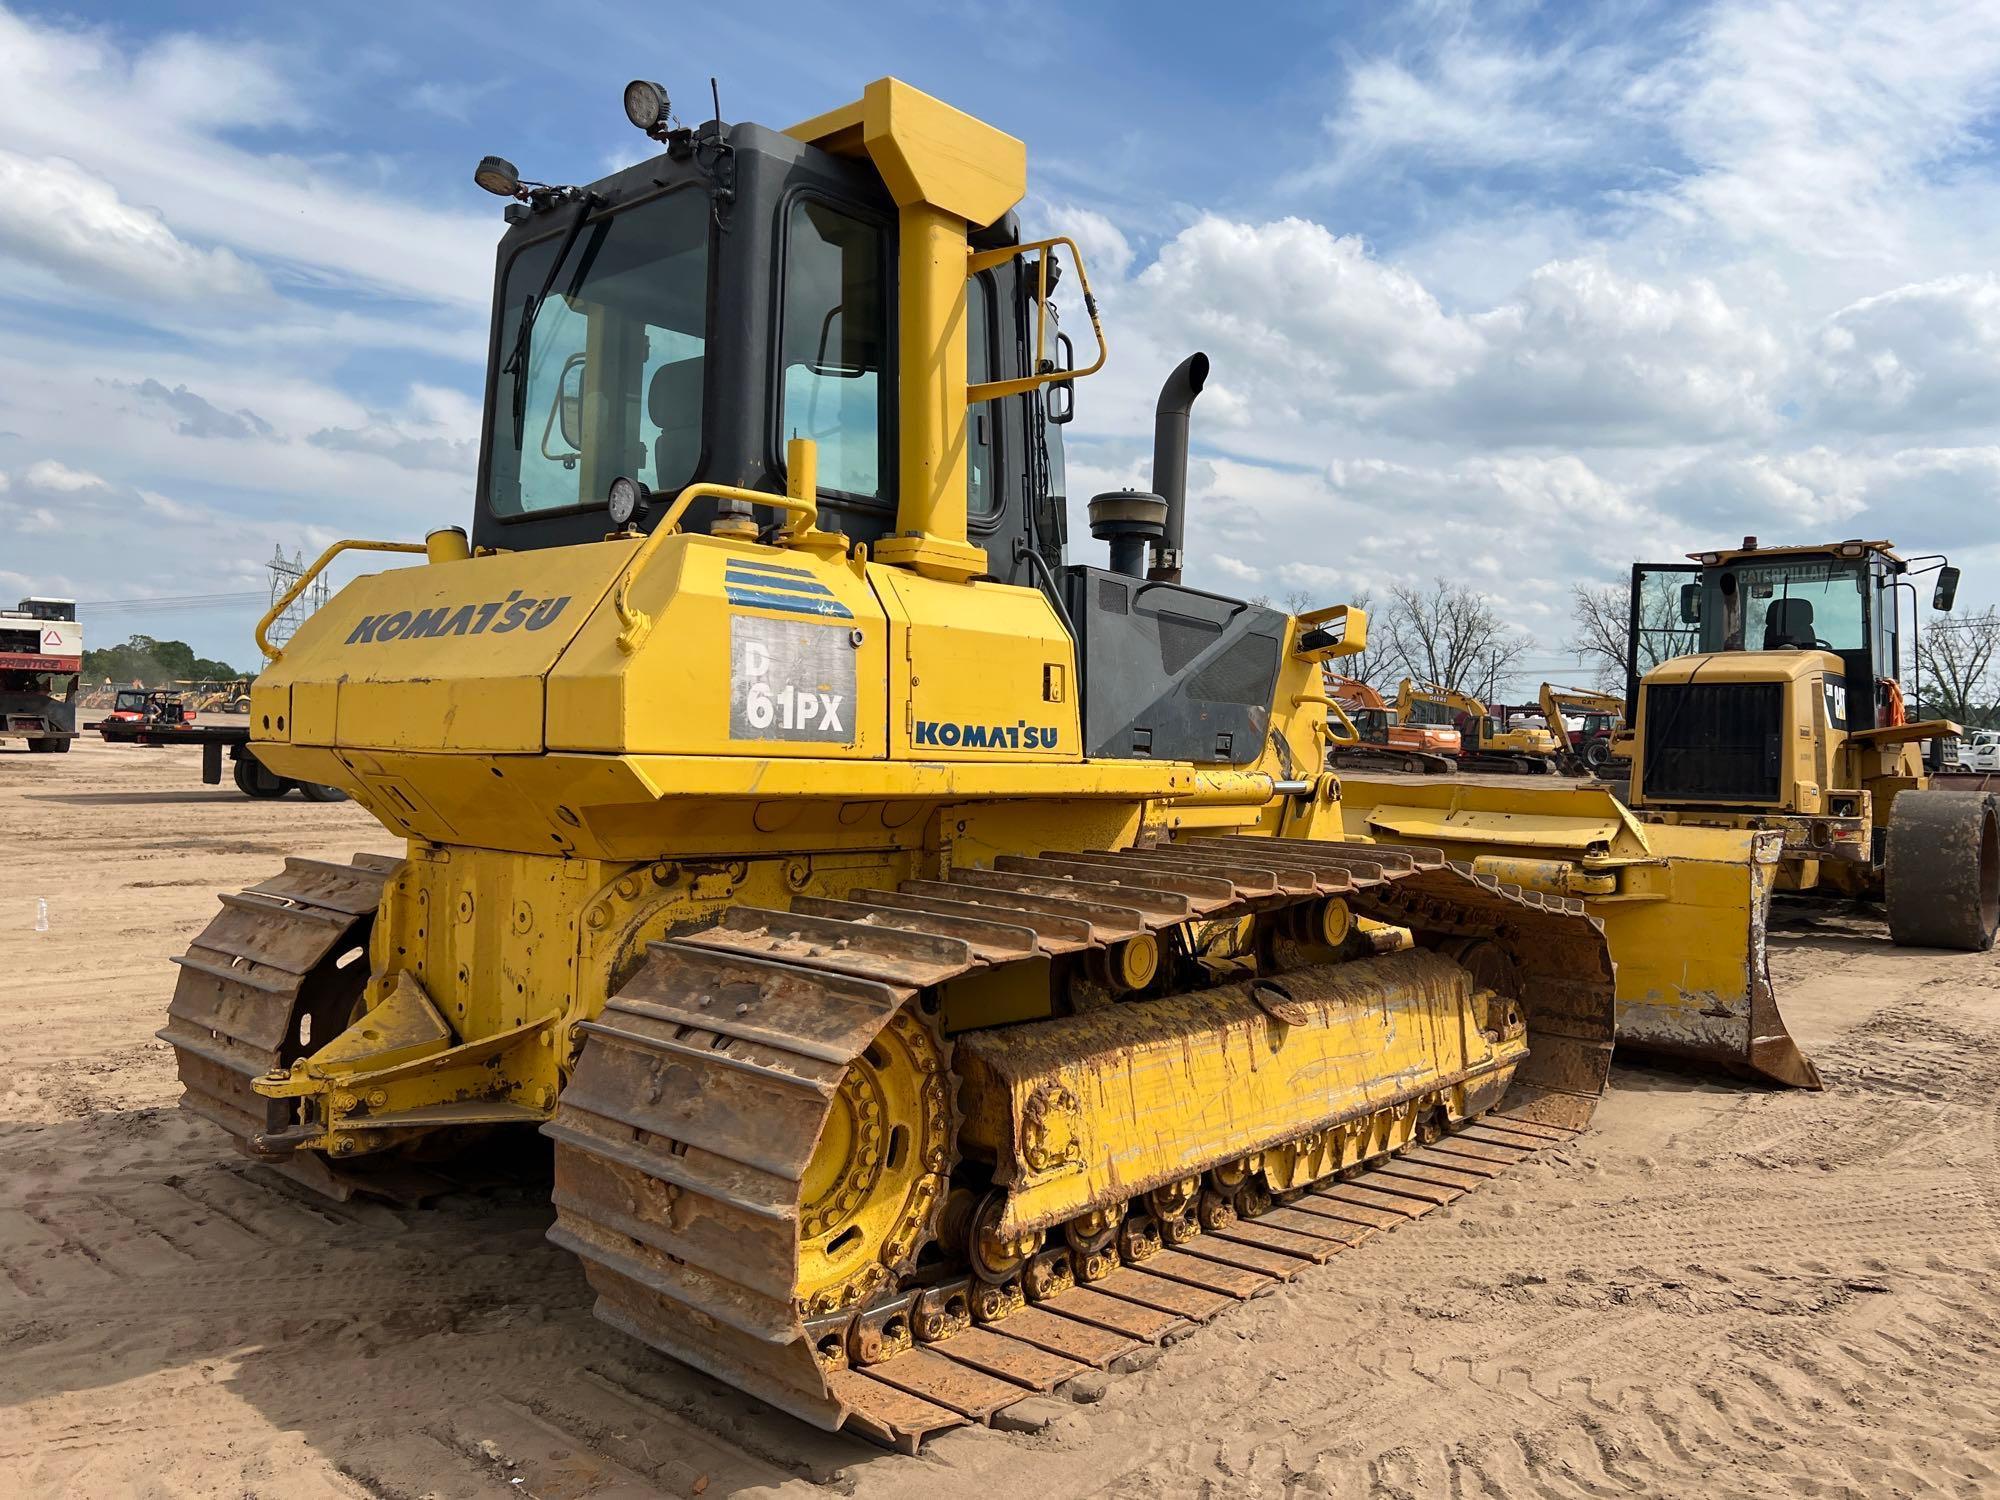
point(1685, 908)
point(756, 1157)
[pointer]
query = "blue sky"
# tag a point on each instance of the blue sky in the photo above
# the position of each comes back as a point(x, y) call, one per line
point(1502, 291)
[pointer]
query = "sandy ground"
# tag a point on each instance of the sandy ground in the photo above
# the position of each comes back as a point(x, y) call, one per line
point(1717, 1291)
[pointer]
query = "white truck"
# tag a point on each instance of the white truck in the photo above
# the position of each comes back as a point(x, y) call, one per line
point(41, 658)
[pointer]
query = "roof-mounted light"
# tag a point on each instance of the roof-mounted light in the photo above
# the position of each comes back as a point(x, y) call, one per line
point(498, 176)
point(647, 106)
point(1710, 559)
point(1852, 549)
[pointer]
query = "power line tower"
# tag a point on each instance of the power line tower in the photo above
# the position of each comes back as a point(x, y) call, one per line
point(283, 575)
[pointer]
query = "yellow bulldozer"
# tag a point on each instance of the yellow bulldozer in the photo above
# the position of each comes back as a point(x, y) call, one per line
point(939, 963)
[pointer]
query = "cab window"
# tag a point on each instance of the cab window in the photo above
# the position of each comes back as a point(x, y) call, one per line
point(834, 341)
point(604, 375)
point(982, 490)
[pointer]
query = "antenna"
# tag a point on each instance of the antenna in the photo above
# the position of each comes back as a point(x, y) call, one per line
point(715, 94)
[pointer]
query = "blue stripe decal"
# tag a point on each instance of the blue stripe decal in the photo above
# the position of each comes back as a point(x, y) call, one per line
point(766, 567)
point(788, 585)
point(790, 604)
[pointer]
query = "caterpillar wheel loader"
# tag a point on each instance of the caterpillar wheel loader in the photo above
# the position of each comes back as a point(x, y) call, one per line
point(1369, 733)
point(938, 963)
point(1484, 744)
point(1771, 751)
point(1784, 710)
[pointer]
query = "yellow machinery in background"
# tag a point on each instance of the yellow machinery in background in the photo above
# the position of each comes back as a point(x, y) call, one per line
point(1591, 748)
point(1485, 745)
point(1780, 707)
point(1381, 739)
point(932, 958)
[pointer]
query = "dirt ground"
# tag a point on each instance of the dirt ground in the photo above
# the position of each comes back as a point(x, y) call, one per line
point(1718, 1290)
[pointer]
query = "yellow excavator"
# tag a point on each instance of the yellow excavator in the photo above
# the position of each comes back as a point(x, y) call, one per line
point(1591, 747)
point(939, 963)
point(1485, 745)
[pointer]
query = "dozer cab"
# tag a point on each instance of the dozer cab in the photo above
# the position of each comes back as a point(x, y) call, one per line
point(1485, 745)
point(939, 963)
point(1365, 731)
point(1780, 706)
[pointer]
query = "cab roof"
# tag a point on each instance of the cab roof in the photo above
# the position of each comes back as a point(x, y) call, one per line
point(1854, 547)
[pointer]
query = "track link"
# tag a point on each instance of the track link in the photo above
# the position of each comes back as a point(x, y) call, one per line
point(684, 1137)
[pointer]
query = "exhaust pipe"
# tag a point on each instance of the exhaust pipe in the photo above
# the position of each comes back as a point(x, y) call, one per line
point(1170, 450)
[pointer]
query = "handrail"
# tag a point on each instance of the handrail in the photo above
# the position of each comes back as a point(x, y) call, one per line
point(1353, 734)
point(272, 653)
point(801, 467)
point(993, 390)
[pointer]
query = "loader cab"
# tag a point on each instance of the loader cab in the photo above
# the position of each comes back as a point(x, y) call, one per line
point(1750, 667)
point(679, 321)
point(1841, 599)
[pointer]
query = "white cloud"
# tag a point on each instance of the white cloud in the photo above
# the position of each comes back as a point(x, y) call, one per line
point(70, 222)
point(1301, 316)
point(438, 429)
point(1474, 105)
point(1922, 357)
point(59, 477)
point(1582, 355)
point(1807, 123)
point(165, 144)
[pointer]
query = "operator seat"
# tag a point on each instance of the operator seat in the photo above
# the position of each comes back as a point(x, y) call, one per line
point(673, 403)
point(1789, 622)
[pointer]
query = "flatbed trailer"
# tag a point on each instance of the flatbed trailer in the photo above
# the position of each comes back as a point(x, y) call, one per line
point(252, 777)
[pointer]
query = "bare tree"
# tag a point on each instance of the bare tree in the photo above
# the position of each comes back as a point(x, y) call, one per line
point(1958, 662)
point(1450, 635)
point(1601, 626)
point(1599, 620)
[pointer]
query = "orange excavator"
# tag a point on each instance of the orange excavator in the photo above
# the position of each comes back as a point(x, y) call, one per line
point(1385, 742)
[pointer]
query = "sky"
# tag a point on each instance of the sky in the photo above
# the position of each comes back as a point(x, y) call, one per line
point(1512, 294)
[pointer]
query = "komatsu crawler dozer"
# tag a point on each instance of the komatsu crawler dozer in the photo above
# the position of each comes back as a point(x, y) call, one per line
point(938, 964)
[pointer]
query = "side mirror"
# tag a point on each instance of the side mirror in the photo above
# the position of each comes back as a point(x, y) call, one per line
point(569, 402)
point(1690, 604)
point(1946, 590)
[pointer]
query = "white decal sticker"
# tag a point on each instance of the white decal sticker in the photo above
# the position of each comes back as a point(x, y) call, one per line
point(790, 681)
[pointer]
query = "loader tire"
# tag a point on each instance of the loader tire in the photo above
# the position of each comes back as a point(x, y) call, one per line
point(252, 780)
point(1941, 875)
point(319, 791)
point(55, 746)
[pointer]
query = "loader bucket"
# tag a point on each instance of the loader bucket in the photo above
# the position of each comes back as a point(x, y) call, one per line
point(1684, 908)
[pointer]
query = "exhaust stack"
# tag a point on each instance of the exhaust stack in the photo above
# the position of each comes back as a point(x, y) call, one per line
point(1170, 450)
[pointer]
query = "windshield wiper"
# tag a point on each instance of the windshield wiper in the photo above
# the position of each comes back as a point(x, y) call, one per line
point(517, 361)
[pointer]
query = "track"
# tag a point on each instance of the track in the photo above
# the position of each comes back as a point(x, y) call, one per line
point(269, 952)
point(684, 1139)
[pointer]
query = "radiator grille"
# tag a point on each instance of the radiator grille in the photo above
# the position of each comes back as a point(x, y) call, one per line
point(1713, 741)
